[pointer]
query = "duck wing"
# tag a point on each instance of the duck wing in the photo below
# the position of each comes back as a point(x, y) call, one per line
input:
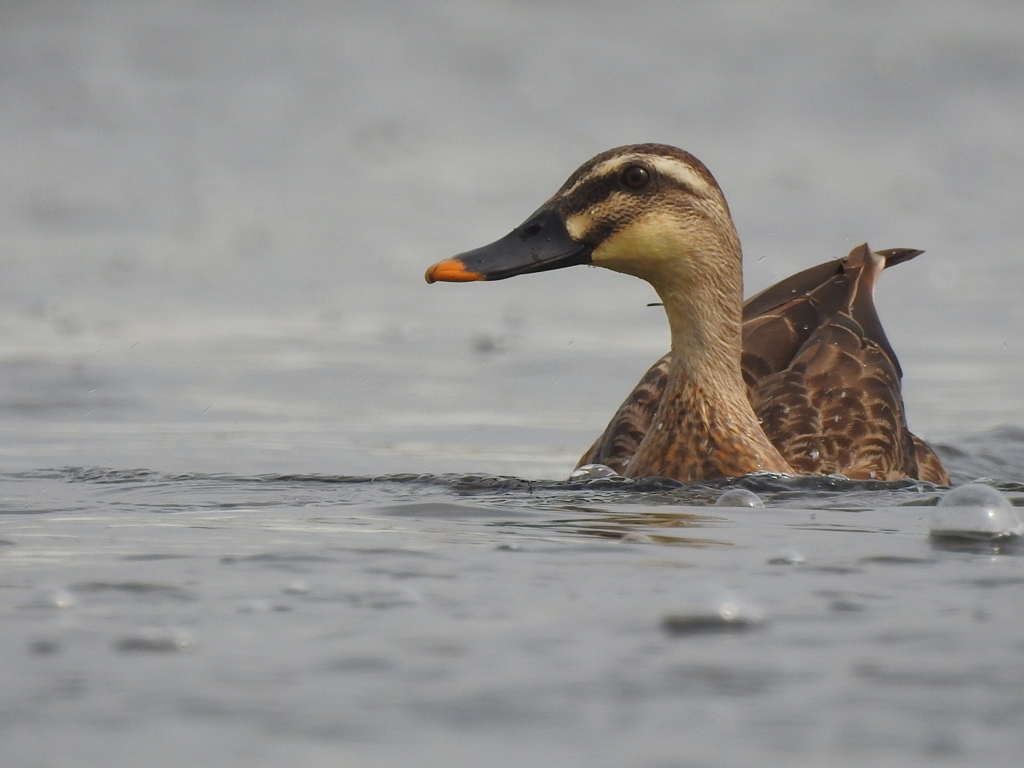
point(820, 373)
point(823, 378)
point(780, 320)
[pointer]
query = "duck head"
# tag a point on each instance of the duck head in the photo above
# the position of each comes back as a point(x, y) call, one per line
point(648, 210)
point(657, 213)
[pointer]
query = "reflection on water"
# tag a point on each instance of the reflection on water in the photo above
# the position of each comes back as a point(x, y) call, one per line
point(645, 527)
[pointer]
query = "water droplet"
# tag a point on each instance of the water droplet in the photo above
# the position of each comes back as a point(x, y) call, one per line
point(787, 558)
point(975, 511)
point(739, 497)
point(593, 472)
point(726, 614)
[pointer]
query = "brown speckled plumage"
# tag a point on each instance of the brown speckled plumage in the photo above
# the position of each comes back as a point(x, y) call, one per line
point(821, 377)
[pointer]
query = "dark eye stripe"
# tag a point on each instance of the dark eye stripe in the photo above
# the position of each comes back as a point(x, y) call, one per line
point(588, 192)
point(591, 192)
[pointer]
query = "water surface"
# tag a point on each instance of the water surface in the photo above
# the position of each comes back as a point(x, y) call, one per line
point(218, 620)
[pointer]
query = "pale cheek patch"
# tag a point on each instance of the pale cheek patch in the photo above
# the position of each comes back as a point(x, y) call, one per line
point(646, 244)
point(579, 225)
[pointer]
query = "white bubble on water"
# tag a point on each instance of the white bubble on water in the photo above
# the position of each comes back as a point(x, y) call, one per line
point(789, 557)
point(975, 511)
point(714, 613)
point(593, 472)
point(739, 497)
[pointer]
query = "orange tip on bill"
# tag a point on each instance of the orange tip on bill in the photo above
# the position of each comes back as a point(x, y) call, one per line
point(451, 271)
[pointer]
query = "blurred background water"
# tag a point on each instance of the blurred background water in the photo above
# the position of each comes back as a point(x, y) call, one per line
point(214, 222)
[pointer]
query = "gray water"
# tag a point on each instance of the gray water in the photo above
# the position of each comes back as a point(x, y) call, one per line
point(268, 499)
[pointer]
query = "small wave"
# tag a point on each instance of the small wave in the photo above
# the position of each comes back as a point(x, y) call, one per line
point(826, 492)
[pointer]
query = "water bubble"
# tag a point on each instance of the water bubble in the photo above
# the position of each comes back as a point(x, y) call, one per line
point(593, 472)
point(724, 614)
point(977, 512)
point(787, 558)
point(739, 497)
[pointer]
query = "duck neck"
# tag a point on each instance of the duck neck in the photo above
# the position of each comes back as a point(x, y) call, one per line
point(705, 318)
point(705, 426)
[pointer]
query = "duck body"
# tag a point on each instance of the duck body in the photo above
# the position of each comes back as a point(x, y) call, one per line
point(820, 374)
point(800, 379)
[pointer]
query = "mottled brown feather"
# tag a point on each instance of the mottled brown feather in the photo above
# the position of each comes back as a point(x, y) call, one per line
point(820, 374)
point(697, 436)
point(929, 466)
point(620, 440)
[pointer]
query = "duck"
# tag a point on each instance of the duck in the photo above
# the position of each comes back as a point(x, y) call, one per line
point(799, 379)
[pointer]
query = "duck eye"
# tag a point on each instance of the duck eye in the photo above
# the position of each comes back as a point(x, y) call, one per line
point(635, 177)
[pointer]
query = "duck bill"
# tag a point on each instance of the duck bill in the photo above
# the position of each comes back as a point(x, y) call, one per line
point(540, 243)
